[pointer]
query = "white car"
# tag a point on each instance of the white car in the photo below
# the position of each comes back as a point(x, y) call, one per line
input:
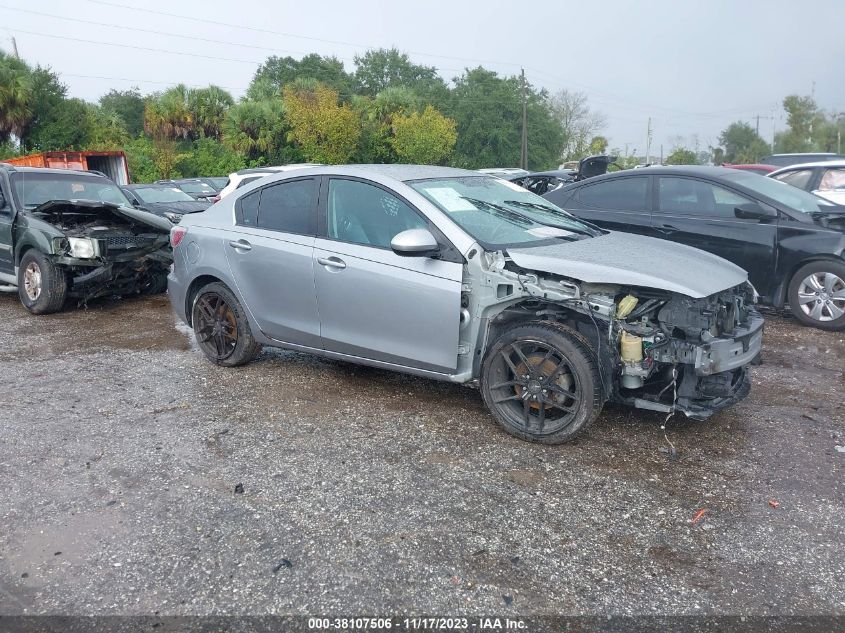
point(825, 179)
point(246, 176)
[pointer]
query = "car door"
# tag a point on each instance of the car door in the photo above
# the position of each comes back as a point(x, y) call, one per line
point(270, 254)
point(374, 303)
point(702, 214)
point(618, 204)
point(7, 259)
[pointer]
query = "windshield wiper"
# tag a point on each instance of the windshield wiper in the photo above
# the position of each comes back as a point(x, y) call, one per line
point(592, 232)
point(500, 210)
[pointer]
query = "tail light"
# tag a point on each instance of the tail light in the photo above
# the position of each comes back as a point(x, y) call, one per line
point(176, 235)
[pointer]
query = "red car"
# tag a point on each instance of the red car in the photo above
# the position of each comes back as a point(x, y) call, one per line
point(756, 168)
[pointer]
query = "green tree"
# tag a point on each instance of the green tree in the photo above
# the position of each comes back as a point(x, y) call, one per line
point(742, 144)
point(488, 112)
point(324, 130)
point(598, 145)
point(682, 156)
point(376, 115)
point(168, 115)
point(15, 96)
point(210, 157)
point(128, 105)
point(256, 129)
point(426, 138)
point(208, 107)
point(378, 70)
point(106, 129)
point(276, 72)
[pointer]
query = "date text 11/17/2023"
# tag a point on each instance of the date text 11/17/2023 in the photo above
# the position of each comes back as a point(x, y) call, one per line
point(417, 624)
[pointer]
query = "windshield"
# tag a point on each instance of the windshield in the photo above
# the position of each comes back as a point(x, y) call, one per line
point(782, 192)
point(196, 187)
point(499, 214)
point(32, 189)
point(162, 194)
point(220, 183)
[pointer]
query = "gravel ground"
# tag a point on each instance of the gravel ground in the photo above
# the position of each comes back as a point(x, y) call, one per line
point(124, 453)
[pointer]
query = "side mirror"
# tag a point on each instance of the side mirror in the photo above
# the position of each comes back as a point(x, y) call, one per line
point(755, 211)
point(415, 243)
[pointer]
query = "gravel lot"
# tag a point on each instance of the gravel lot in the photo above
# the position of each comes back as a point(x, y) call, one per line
point(367, 492)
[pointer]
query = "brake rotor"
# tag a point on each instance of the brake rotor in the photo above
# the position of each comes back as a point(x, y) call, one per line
point(539, 364)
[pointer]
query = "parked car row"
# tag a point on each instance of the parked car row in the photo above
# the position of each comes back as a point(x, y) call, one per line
point(791, 242)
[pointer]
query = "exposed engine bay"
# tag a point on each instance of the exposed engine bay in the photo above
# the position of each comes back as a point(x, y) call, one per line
point(107, 250)
point(658, 350)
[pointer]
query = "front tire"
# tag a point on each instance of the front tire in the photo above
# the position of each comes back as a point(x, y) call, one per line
point(541, 383)
point(816, 295)
point(221, 327)
point(42, 286)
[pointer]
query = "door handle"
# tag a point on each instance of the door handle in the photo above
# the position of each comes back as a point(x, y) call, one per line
point(332, 262)
point(240, 245)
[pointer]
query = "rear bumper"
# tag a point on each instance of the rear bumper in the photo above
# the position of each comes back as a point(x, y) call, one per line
point(176, 293)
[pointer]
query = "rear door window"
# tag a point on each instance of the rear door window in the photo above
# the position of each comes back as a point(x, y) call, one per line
point(617, 194)
point(797, 178)
point(289, 207)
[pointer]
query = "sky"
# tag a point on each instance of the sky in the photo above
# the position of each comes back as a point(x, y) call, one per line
point(693, 67)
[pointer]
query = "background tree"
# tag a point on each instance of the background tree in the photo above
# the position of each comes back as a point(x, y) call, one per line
point(208, 107)
point(426, 138)
point(577, 122)
point(168, 115)
point(488, 112)
point(742, 144)
point(128, 105)
point(276, 72)
point(256, 129)
point(209, 156)
point(381, 69)
point(598, 145)
point(682, 156)
point(325, 131)
point(15, 97)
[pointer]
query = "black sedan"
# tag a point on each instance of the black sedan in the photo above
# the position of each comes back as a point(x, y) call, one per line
point(792, 243)
point(165, 200)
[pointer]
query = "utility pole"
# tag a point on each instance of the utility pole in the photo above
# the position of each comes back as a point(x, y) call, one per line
point(758, 125)
point(523, 149)
point(648, 143)
point(15, 48)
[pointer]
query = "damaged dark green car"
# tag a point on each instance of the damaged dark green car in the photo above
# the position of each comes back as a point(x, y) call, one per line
point(74, 235)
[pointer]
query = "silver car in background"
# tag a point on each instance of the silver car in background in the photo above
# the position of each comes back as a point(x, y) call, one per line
point(459, 276)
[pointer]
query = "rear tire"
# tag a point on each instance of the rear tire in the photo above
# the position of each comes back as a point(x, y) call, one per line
point(541, 383)
point(221, 327)
point(42, 286)
point(816, 295)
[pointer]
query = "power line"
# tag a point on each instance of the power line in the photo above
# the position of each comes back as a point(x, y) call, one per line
point(140, 48)
point(229, 25)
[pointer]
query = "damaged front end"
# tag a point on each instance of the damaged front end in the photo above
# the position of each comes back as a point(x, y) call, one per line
point(106, 249)
point(658, 349)
point(678, 353)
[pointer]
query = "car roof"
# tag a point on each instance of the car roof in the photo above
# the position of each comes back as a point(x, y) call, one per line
point(704, 171)
point(149, 185)
point(49, 170)
point(401, 173)
point(818, 163)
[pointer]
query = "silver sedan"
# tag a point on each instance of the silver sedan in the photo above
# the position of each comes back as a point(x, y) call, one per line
point(459, 276)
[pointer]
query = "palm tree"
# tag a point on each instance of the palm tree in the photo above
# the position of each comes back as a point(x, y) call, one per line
point(15, 96)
